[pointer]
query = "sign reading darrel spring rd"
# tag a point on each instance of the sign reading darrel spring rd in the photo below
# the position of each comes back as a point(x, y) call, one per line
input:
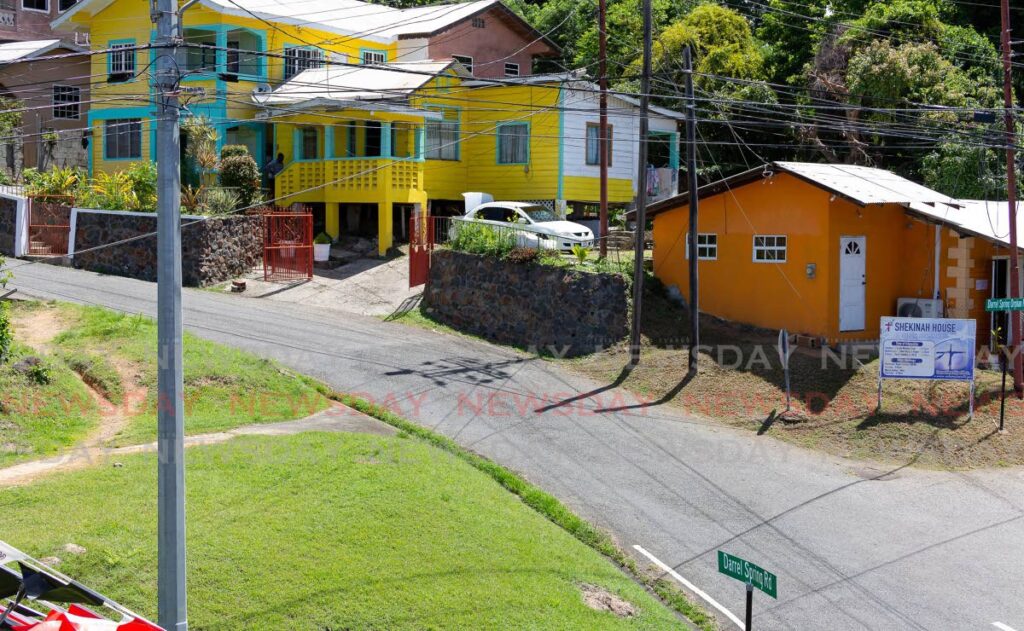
point(928, 348)
point(747, 572)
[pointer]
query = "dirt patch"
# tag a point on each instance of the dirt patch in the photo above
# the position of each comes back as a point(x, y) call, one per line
point(601, 599)
point(37, 326)
point(740, 383)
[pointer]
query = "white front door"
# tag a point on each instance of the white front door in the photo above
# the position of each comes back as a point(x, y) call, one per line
point(852, 281)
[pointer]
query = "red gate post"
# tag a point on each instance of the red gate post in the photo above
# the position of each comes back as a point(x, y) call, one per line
point(420, 240)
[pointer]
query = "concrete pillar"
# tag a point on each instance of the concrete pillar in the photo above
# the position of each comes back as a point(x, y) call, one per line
point(385, 226)
point(333, 219)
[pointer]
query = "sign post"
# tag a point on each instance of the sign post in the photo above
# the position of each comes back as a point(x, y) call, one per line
point(752, 575)
point(1005, 355)
point(938, 349)
point(784, 352)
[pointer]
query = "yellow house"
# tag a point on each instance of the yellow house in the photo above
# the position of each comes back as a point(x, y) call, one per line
point(353, 143)
point(366, 147)
point(233, 48)
point(827, 250)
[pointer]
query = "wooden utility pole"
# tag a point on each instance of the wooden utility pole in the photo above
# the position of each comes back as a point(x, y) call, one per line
point(602, 15)
point(1011, 189)
point(641, 191)
point(691, 177)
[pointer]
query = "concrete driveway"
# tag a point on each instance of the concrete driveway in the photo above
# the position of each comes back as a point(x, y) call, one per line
point(366, 286)
point(854, 546)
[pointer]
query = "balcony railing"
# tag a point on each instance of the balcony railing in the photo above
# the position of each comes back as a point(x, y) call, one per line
point(351, 176)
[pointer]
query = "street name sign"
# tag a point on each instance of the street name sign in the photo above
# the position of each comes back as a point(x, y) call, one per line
point(1004, 304)
point(749, 573)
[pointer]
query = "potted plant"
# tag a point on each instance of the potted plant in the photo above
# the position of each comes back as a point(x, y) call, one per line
point(321, 247)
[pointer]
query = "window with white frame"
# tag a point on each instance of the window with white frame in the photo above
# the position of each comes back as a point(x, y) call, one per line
point(594, 143)
point(707, 246)
point(36, 5)
point(513, 143)
point(374, 57)
point(511, 69)
point(121, 61)
point(466, 61)
point(67, 101)
point(297, 59)
point(442, 136)
point(769, 248)
point(122, 139)
point(64, 5)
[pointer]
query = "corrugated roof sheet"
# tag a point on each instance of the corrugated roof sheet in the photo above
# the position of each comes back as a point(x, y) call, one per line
point(14, 51)
point(865, 185)
point(372, 21)
point(355, 83)
point(987, 219)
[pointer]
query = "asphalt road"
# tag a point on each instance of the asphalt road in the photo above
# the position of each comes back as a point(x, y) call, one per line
point(854, 546)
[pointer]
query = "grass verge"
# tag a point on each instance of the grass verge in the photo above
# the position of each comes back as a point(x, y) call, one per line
point(548, 506)
point(116, 354)
point(328, 531)
point(41, 413)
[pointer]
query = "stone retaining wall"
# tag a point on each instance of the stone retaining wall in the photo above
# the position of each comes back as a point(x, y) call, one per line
point(212, 251)
point(528, 305)
point(8, 219)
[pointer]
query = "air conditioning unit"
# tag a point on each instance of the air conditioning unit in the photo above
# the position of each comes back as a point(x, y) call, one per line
point(918, 308)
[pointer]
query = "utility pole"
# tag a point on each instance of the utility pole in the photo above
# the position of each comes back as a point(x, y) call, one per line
point(602, 15)
point(1011, 189)
point(171, 601)
point(691, 178)
point(641, 191)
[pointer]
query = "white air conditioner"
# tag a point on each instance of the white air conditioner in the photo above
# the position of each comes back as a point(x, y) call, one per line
point(918, 308)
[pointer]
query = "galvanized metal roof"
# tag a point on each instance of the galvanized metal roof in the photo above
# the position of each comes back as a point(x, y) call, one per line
point(986, 219)
point(864, 185)
point(355, 83)
point(17, 51)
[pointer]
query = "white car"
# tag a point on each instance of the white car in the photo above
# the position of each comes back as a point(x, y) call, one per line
point(537, 226)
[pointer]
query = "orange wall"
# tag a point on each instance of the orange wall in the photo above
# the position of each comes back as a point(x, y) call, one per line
point(772, 295)
point(899, 260)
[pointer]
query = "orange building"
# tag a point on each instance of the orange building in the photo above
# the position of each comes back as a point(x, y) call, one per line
point(827, 250)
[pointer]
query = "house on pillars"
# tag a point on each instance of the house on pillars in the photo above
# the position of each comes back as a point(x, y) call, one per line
point(354, 144)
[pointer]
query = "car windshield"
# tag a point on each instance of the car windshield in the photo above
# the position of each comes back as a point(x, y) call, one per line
point(539, 213)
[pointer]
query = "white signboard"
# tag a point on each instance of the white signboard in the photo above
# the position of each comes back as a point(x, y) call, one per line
point(928, 348)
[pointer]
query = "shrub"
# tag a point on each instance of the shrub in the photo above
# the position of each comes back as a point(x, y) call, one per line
point(219, 201)
point(322, 239)
point(142, 179)
point(57, 181)
point(228, 151)
point(581, 253)
point(241, 173)
point(522, 255)
point(476, 238)
point(6, 331)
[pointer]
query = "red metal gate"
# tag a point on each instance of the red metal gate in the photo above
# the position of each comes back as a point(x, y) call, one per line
point(421, 244)
point(287, 246)
point(49, 224)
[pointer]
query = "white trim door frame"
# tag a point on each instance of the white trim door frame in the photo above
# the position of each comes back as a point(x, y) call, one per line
point(852, 283)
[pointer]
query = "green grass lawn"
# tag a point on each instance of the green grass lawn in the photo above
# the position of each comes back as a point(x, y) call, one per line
point(38, 418)
point(327, 531)
point(224, 387)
